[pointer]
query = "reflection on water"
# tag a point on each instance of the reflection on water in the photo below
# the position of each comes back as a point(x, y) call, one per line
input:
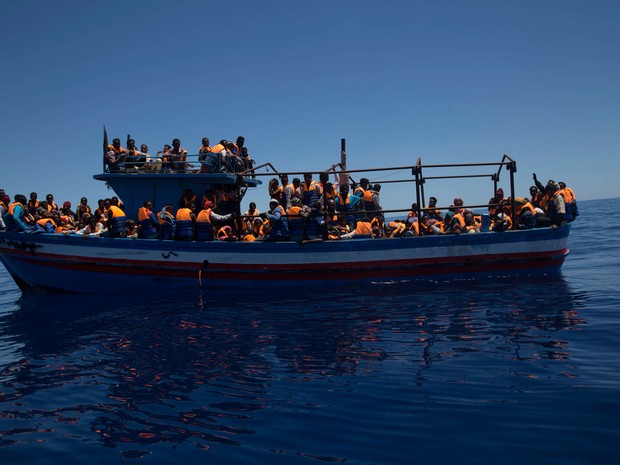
point(211, 370)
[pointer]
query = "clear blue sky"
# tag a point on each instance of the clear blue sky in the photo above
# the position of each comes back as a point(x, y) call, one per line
point(447, 81)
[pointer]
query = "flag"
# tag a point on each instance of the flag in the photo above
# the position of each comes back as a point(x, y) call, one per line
point(105, 141)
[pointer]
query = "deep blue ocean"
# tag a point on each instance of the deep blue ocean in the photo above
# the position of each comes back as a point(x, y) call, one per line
point(510, 371)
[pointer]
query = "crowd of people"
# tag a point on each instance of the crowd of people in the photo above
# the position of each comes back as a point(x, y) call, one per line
point(297, 210)
point(225, 156)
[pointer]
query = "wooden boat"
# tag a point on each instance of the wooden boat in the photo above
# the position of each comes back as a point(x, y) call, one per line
point(103, 265)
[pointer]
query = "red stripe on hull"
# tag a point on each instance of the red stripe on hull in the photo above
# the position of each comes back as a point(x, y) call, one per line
point(314, 271)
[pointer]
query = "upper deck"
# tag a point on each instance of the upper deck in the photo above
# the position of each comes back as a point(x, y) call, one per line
point(134, 188)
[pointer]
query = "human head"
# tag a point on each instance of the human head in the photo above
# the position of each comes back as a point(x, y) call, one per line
point(66, 205)
point(33, 196)
point(344, 189)
point(273, 203)
point(307, 177)
point(458, 202)
point(364, 183)
point(148, 204)
point(284, 179)
point(252, 206)
point(116, 143)
point(49, 198)
point(144, 148)
point(533, 190)
point(562, 185)
point(176, 143)
point(552, 187)
point(376, 187)
point(500, 193)
point(240, 141)
point(83, 200)
point(205, 141)
point(432, 201)
point(131, 143)
point(296, 182)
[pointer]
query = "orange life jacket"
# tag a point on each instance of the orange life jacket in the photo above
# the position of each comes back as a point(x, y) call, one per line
point(184, 214)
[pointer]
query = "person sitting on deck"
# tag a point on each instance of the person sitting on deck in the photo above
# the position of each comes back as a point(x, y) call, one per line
point(167, 223)
point(115, 156)
point(249, 215)
point(101, 210)
point(51, 205)
point(277, 220)
point(210, 161)
point(259, 230)
point(177, 157)
point(134, 159)
point(556, 207)
point(150, 163)
point(297, 217)
point(166, 163)
point(185, 219)
point(188, 198)
point(526, 213)
point(274, 189)
point(62, 227)
point(412, 215)
point(226, 234)
point(47, 225)
point(570, 202)
point(499, 203)
point(396, 228)
point(233, 158)
point(248, 162)
point(454, 222)
point(82, 208)
point(130, 231)
point(4, 206)
point(93, 227)
point(205, 221)
point(116, 218)
point(149, 226)
point(501, 222)
point(14, 218)
point(535, 196)
point(67, 212)
point(363, 230)
point(33, 203)
point(433, 212)
point(471, 225)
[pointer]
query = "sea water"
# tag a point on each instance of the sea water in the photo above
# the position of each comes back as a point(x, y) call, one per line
point(509, 371)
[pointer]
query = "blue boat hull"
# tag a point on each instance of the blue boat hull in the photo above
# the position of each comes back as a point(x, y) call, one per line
point(105, 266)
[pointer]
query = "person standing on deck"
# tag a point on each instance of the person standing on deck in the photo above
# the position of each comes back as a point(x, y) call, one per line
point(310, 191)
